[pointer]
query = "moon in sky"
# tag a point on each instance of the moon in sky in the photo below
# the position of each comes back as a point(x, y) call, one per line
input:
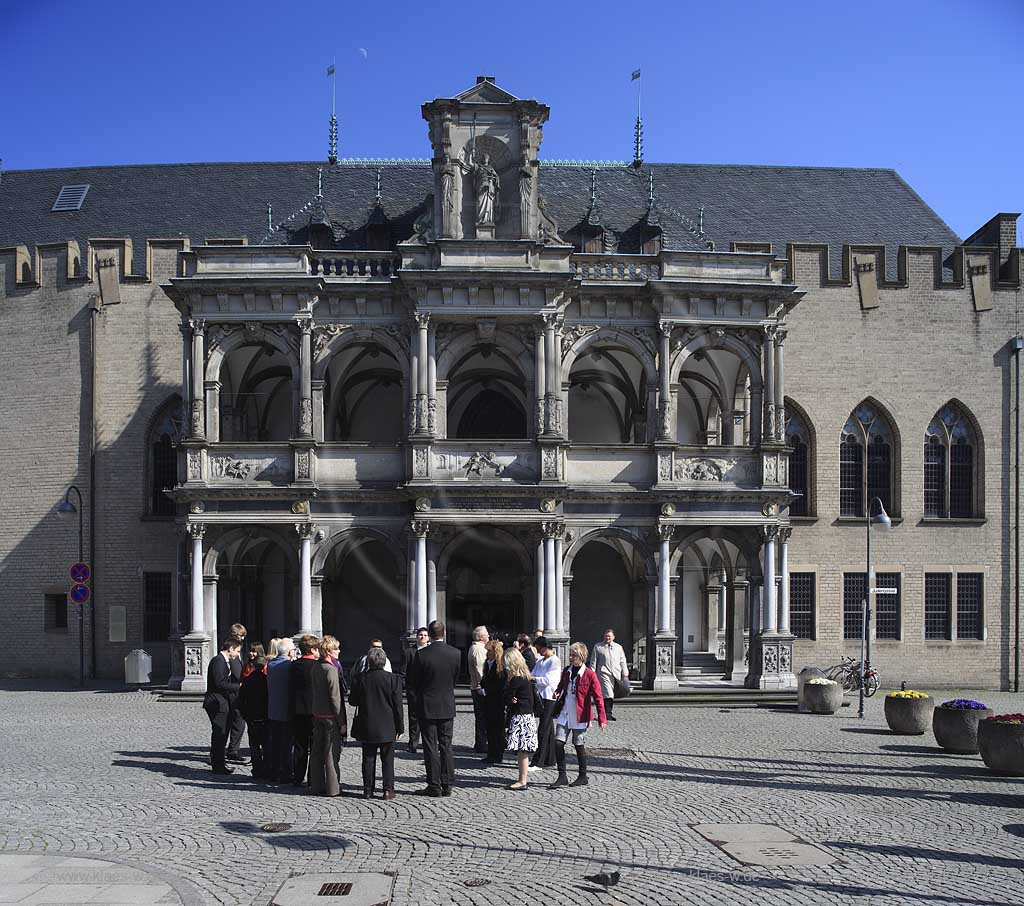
point(363, 53)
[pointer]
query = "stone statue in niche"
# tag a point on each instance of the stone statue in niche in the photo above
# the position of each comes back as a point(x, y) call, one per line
point(525, 193)
point(486, 183)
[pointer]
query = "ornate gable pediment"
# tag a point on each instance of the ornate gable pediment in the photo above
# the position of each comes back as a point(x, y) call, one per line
point(485, 92)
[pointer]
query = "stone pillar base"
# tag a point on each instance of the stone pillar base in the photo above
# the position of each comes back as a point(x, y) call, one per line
point(771, 663)
point(177, 676)
point(197, 655)
point(662, 665)
point(559, 643)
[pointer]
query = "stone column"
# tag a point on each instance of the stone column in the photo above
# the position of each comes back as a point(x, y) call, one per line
point(768, 397)
point(305, 533)
point(664, 385)
point(422, 371)
point(210, 616)
point(784, 534)
point(414, 376)
point(663, 646)
point(780, 390)
point(317, 605)
point(723, 610)
point(305, 423)
point(419, 529)
point(432, 382)
point(541, 622)
point(410, 597)
point(197, 427)
point(560, 620)
point(551, 626)
point(196, 643)
point(553, 378)
point(540, 377)
point(735, 667)
point(769, 609)
point(431, 589)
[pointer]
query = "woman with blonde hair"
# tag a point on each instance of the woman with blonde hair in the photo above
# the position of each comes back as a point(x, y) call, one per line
point(492, 686)
point(522, 724)
point(272, 649)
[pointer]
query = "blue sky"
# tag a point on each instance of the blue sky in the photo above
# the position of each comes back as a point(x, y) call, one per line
point(931, 89)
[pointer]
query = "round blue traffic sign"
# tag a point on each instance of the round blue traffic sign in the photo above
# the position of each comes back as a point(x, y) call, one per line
point(79, 593)
point(80, 573)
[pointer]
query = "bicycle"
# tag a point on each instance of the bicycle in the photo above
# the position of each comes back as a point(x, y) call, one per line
point(850, 674)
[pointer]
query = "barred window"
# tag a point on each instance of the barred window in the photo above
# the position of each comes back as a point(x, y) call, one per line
point(969, 623)
point(949, 479)
point(801, 605)
point(865, 461)
point(937, 594)
point(55, 613)
point(156, 607)
point(853, 608)
point(887, 607)
point(799, 438)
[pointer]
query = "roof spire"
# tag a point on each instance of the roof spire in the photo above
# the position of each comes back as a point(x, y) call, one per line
point(650, 190)
point(332, 142)
point(319, 182)
point(270, 218)
point(377, 198)
point(638, 130)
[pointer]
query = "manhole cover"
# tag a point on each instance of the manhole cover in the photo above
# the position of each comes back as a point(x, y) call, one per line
point(476, 882)
point(763, 844)
point(275, 827)
point(358, 888)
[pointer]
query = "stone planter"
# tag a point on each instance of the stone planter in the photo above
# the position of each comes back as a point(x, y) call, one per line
point(1002, 747)
point(823, 699)
point(909, 716)
point(956, 729)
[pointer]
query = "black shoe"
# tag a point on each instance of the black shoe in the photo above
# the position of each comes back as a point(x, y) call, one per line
point(236, 759)
point(560, 780)
point(367, 794)
point(223, 770)
point(446, 791)
point(412, 747)
point(580, 781)
point(432, 791)
point(612, 717)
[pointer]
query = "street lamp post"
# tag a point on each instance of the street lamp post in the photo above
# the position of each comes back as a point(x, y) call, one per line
point(880, 518)
point(67, 507)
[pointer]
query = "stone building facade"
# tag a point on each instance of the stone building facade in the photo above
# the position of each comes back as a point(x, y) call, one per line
point(491, 389)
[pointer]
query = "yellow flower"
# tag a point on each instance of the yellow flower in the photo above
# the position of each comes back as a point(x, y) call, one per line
point(908, 693)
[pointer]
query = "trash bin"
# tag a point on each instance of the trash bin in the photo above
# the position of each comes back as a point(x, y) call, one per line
point(802, 677)
point(138, 665)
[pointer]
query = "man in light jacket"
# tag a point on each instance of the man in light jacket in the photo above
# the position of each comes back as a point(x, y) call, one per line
point(608, 661)
point(476, 658)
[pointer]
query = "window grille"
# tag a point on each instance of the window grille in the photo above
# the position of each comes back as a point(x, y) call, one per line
point(853, 612)
point(851, 467)
point(70, 198)
point(880, 472)
point(888, 607)
point(801, 605)
point(969, 624)
point(156, 608)
point(55, 612)
point(937, 589)
point(949, 465)
point(934, 478)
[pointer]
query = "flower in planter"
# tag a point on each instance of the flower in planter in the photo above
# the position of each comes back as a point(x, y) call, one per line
point(908, 693)
point(1006, 719)
point(821, 681)
point(968, 704)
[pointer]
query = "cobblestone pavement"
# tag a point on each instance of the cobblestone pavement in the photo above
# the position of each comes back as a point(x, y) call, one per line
point(119, 776)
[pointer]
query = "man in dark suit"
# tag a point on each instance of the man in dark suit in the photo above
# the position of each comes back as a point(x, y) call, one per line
point(219, 703)
point(378, 696)
point(234, 755)
point(431, 677)
point(301, 689)
point(422, 640)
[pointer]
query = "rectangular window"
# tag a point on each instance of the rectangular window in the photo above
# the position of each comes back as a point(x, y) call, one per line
point(934, 480)
point(801, 605)
point(156, 613)
point(851, 479)
point(969, 623)
point(55, 614)
point(853, 611)
point(887, 607)
point(937, 594)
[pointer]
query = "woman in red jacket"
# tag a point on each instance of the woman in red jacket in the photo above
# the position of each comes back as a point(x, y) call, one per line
point(577, 692)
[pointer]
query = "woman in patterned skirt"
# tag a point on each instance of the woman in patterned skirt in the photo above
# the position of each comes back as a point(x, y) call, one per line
point(522, 725)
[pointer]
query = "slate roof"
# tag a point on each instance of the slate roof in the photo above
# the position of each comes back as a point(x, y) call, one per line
point(219, 200)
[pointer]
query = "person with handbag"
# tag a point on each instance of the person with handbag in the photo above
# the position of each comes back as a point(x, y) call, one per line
point(579, 693)
point(521, 737)
point(547, 673)
point(608, 661)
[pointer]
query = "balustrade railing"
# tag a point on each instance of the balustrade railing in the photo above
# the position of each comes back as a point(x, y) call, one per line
point(355, 264)
point(624, 268)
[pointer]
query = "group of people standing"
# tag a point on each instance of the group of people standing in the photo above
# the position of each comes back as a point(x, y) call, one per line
point(294, 705)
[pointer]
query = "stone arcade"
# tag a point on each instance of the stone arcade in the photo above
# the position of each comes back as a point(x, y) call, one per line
point(538, 397)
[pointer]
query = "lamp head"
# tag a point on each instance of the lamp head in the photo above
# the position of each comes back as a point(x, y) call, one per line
point(881, 517)
point(66, 507)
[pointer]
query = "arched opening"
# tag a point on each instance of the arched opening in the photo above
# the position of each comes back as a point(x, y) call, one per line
point(486, 396)
point(162, 458)
point(867, 453)
point(486, 580)
point(363, 598)
point(607, 396)
point(363, 396)
point(607, 592)
point(255, 394)
point(257, 586)
point(800, 438)
point(951, 452)
point(713, 402)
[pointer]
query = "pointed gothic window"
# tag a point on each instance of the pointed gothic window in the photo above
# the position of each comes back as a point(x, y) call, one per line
point(865, 461)
point(162, 459)
point(799, 438)
point(949, 465)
